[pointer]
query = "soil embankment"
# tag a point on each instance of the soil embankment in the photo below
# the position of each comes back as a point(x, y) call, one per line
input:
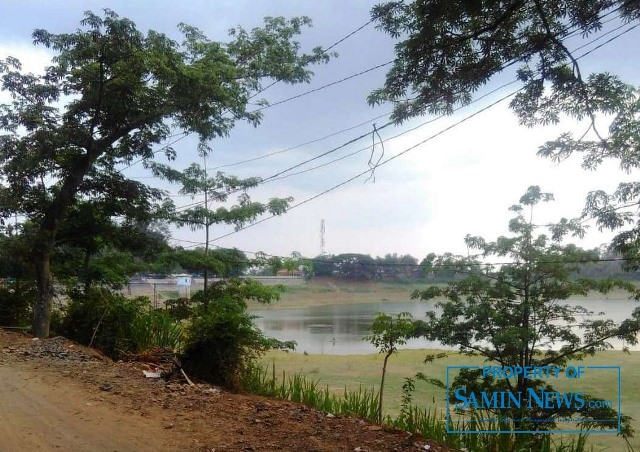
point(58, 396)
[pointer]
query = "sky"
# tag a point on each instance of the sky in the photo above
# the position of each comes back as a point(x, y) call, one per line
point(459, 182)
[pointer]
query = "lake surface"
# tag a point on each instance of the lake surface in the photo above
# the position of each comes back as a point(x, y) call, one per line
point(338, 329)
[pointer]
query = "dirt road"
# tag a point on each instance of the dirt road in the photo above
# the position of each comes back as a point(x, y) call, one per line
point(57, 415)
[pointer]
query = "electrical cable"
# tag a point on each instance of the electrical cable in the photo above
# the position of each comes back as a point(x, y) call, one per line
point(407, 149)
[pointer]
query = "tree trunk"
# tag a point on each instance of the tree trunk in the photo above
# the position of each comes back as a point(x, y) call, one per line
point(42, 308)
point(45, 241)
point(206, 226)
point(384, 372)
point(206, 255)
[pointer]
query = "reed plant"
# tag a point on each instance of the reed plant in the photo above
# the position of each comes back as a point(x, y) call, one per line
point(429, 422)
point(157, 329)
point(362, 403)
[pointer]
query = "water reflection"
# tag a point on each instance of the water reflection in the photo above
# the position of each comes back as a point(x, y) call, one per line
point(338, 329)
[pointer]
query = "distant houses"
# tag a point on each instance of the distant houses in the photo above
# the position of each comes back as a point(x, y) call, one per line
point(285, 272)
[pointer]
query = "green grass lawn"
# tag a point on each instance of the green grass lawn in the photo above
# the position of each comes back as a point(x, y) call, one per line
point(353, 371)
point(331, 291)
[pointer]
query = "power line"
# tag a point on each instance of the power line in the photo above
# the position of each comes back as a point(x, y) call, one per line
point(341, 40)
point(408, 149)
point(282, 174)
point(253, 159)
point(336, 82)
point(324, 51)
point(275, 176)
point(412, 129)
point(315, 140)
point(391, 122)
point(369, 170)
point(609, 40)
point(279, 175)
point(515, 60)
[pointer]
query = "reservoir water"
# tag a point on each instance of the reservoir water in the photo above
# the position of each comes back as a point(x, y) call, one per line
point(339, 329)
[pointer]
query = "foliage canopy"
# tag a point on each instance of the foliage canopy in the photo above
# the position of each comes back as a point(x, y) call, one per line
point(447, 50)
point(111, 95)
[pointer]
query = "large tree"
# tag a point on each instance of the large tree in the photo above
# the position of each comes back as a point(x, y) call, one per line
point(517, 314)
point(111, 95)
point(447, 50)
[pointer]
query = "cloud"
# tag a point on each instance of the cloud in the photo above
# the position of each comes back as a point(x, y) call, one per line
point(426, 200)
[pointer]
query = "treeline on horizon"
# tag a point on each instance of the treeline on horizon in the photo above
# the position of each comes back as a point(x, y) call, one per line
point(231, 262)
point(146, 251)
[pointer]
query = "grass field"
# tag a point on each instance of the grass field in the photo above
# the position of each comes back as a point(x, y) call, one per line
point(353, 371)
point(326, 291)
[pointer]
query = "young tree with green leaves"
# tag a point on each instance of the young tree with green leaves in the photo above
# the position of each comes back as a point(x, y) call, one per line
point(387, 333)
point(216, 189)
point(111, 95)
point(447, 50)
point(516, 314)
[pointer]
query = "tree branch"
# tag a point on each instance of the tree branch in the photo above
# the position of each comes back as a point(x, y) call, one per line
point(576, 68)
point(494, 25)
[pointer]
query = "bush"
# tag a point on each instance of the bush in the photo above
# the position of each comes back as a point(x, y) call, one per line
point(179, 308)
point(118, 325)
point(222, 343)
point(16, 300)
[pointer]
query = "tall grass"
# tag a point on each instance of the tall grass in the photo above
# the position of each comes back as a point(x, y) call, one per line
point(157, 329)
point(297, 388)
point(429, 422)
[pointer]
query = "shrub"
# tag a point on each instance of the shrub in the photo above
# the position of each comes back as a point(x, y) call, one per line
point(156, 329)
point(223, 343)
point(16, 300)
point(179, 308)
point(118, 325)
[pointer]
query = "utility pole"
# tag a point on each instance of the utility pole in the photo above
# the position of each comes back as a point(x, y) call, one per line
point(322, 237)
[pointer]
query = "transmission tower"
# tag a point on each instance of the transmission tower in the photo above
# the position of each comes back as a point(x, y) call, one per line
point(322, 236)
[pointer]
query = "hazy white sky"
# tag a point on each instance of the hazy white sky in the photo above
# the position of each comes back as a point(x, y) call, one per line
point(425, 201)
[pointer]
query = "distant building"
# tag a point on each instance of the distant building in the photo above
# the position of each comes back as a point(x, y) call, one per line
point(183, 280)
point(285, 272)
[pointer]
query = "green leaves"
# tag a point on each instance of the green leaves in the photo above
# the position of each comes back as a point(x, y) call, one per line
point(195, 181)
point(223, 342)
point(238, 291)
point(447, 50)
point(516, 314)
point(125, 87)
point(388, 332)
point(122, 93)
point(271, 50)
